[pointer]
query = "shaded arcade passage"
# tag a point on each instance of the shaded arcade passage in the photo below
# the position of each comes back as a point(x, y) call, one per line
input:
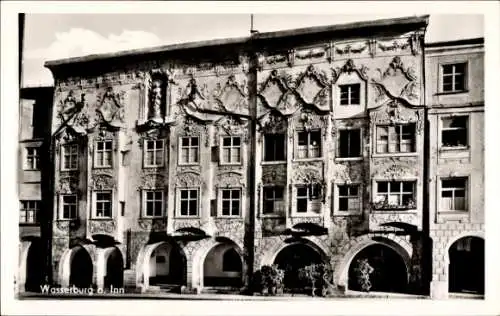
point(466, 268)
point(389, 272)
point(223, 266)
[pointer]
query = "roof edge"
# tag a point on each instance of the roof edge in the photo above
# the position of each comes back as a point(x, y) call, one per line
point(458, 42)
point(423, 20)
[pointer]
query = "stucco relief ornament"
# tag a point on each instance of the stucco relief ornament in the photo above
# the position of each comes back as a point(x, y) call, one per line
point(110, 106)
point(188, 179)
point(102, 181)
point(69, 106)
point(396, 82)
point(102, 226)
point(312, 87)
point(348, 68)
point(232, 97)
point(152, 181)
point(68, 185)
point(273, 89)
point(350, 48)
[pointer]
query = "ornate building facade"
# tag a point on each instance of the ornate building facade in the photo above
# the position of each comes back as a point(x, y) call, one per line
point(192, 166)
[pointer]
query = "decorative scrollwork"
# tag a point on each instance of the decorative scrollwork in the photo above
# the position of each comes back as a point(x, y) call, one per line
point(102, 226)
point(348, 68)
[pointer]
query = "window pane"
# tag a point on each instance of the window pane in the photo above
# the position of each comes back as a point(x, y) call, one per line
point(236, 194)
point(407, 186)
point(460, 193)
point(192, 207)
point(225, 208)
point(236, 208)
point(185, 141)
point(460, 203)
point(301, 205)
point(236, 141)
point(354, 146)
point(278, 193)
point(447, 69)
point(268, 207)
point(193, 194)
point(235, 155)
point(302, 191)
point(446, 193)
point(226, 155)
point(184, 194)
point(343, 190)
point(353, 190)
point(184, 208)
point(226, 141)
point(344, 144)
point(194, 141)
point(395, 186)
point(343, 204)
point(382, 187)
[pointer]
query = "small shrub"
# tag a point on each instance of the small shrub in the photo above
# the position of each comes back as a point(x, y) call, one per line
point(363, 271)
point(270, 280)
point(320, 276)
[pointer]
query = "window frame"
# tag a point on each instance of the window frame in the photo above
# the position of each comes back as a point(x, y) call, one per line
point(231, 148)
point(145, 203)
point(349, 94)
point(97, 162)
point(283, 200)
point(154, 152)
point(466, 195)
point(62, 204)
point(308, 147)
point(35, 165)
point(76, 156)
point(309, 198)
point(465, 76)
point(385, 205)
point(25, 210)
point(442, 128)
point(180, 200)
point(181, 162)
point(338, 156)
point(222, 199)
point(338, 196)
point(285, 146)
point(400, 141)
point(95, 201)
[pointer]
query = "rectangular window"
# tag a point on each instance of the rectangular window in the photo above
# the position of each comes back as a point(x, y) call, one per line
point(454, 131)
point(69, 206)
point(349, 143)
point(309, 144)
point(29, 212)
point(395, 194)
point(454, 77)
point(231, 149)
point(153, 203)
point(189, 150)
point(350, 94)
point(70, 157)
point(453, 192)
point(32, 158)
point(103, 204)
point(273, 200)
point(231, 202)
point(104, 153)
point(349, 198)
point(396, 138)
point(309, 198)
point(274, 147)
point(154, 154)
point(189, 202)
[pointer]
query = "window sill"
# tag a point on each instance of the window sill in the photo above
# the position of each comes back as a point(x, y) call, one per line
point(308, 214)
point(272, 215)
point(385, 155)
point(101, 218)
point(153, 166)
point(102, 167)
point(308, 159)
point(229, 217)
point(29, 224)
point(453, 213)
point(146, 218)
point(235, 164)
point(67, 219)
point(454, 148)
point(280, 162)
point(197, 217)
point(188, 164)
point(347, 213)
point(348, 159)
point(452, 92)
point(394, 210)
point(76, 169)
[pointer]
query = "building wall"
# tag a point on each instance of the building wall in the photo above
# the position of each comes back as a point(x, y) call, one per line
point(447, 227)
point(290, 86)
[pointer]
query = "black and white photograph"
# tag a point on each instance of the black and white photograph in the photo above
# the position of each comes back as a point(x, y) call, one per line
point(249, 157)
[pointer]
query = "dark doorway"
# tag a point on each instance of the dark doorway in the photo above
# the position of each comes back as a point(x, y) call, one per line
point(389, 272)
point(114, 270)
point(34, 267)
point(466, 269)
point(291, 259)
point(81, 269)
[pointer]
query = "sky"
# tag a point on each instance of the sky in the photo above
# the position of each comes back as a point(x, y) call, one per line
point(56, 36)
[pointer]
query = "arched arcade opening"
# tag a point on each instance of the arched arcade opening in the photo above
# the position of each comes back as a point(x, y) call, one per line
point(466, 265)
point(223, 266)
point(81, 268)
point(166, 265)
point(386, 270)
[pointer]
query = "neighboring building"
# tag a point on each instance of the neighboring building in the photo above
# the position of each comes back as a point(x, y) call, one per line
point(196, 164)
point(455, 94)
point(35, 112)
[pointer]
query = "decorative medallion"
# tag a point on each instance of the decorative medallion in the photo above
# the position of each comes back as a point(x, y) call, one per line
point(312, 87)
point(233, 96)
point(273, 89)
point(110, 106)
point(70, 106)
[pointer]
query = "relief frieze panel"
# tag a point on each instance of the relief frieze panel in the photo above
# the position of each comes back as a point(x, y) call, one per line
point(101, 226)
point(151, 181)
point(397, 45)
point(317, 220)
point(396, 81)
point(308, 119)
point(307, 172)
point(378, 219)
point(102, 180)
point(188, 179)
point(274, 174)
point(231, 126)
point(152, 224)
point(350, 50)
point(230, 179)
point(395, 167)
point(348, 172)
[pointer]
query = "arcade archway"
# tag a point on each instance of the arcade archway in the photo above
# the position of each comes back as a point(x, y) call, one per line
point(223, 266)
point(81, 268)
point(466, 267)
